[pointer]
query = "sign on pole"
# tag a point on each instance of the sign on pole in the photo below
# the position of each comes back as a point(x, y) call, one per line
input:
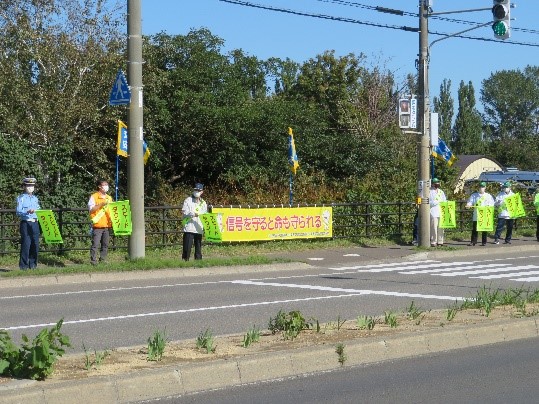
point(120, 94)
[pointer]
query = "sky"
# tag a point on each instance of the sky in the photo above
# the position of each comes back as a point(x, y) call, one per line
point(266, 33)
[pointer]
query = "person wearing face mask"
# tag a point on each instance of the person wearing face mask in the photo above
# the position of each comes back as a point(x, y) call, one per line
point(480, 198)
point(101, 223)
point(436, 196)
point(27, 204)
point(193, 229)
point(503, 216)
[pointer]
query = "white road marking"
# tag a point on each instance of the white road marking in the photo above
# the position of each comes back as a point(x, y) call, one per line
point(438, 270)
point(532, 279)
point(436, 265)
point(315, 259)
point(497, 276)
point(161, 313)
point(351, 255)
point(488, 271)
point(380, 265)
point(355, 291)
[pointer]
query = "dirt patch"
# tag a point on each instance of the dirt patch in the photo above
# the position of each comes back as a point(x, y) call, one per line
point(122, 361)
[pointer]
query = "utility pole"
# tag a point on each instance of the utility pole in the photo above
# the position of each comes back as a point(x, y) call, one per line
point(423, 141)
point(135, 162)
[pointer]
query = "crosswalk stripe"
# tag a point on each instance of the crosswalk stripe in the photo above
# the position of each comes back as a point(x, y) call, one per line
point(401, 268)
point(531, 279)
point(380, 265)
point(490, 270)
point(497, 276)
point(438, 270)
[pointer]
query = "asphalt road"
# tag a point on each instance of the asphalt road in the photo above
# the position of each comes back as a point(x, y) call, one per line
point(126, 312)
point(501, 373)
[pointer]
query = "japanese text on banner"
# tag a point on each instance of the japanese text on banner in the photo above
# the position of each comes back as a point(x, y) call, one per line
point(49, 227)
point(485, 218)
point(447, 218)
point(238, 224)
point(120, 216)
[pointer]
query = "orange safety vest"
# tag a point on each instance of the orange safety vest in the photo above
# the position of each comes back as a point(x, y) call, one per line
point(101, 217)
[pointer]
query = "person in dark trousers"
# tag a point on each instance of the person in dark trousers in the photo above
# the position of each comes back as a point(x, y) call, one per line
point(101, 223)
point(27, 204)
point(536, 203)
point(193, 229)
point(477, 199)
point(503, 217)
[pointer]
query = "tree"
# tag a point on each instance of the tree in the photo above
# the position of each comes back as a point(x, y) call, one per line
point(468, 124)
point(443, 105)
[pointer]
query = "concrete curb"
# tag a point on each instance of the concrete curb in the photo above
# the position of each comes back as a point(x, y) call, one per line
point(190, 378)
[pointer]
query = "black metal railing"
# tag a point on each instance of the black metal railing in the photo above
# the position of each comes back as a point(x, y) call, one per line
point(163, 224)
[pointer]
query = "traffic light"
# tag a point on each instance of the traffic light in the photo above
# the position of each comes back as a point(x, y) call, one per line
point(501, 17)
point(404, 113)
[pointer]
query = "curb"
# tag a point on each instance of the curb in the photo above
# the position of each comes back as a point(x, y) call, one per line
point(190, 378)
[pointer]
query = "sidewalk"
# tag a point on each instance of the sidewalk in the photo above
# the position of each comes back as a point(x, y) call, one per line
point(188, 378)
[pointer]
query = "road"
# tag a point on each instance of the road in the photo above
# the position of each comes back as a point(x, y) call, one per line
point(127, 312)
point(501, 373)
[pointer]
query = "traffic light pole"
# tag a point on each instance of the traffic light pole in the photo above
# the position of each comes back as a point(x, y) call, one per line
point(135, 162)
point(423, 138)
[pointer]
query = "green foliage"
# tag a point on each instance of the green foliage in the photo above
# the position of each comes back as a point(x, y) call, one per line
point(365, 322)
point(99, 357)
point(290, 324)
point(252, 335)
point(339, 350)
point(413, 312)
point(390, 318)
point(156, 345)
point(32, 360)
point(205, 340)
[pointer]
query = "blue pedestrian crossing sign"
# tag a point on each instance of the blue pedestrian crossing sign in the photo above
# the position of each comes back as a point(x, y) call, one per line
point(120, 94)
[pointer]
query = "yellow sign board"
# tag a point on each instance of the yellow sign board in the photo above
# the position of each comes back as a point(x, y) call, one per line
point(238, 224)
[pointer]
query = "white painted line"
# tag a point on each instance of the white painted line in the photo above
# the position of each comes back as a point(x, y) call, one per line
point(532, 279)
point(351, 255)
point(458, 268)
point(355, 291)
point(488, 271)
point(405, 268)
point(505, 275)
point(315, 259)
point(380, 265)
point(162, 313)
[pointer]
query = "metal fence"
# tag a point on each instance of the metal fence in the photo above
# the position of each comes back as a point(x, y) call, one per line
point(163, 224)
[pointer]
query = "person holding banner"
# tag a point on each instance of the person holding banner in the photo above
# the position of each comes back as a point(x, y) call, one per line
point(504, 217)
point(479, 199)
point(27, 204)
point(193, 207)
point(436, 196)
point(101, 222)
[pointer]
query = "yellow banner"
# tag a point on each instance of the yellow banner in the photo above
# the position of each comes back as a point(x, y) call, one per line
point(237, 224)
point(447, 217)
point(120, 216)
point(49, 227)
point(485, 218)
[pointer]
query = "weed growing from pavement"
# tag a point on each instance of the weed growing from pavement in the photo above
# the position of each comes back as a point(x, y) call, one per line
point(99, 357)
point(156, 345)
point(252, 335)
point(365, 322)
point(451, 312)
point(339, 349)
point(206, 340)
point(390, 318)
point(33, 360)
point(290, 324)
point(413, 312)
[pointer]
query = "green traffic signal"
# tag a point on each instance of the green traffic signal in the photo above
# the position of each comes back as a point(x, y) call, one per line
point(499, 28)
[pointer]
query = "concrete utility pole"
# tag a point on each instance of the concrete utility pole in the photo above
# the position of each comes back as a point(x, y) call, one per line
point(423, 141)
point(135, 162)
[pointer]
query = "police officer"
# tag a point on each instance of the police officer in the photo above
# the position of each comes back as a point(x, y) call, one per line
point(193, 229)
point(27, 204)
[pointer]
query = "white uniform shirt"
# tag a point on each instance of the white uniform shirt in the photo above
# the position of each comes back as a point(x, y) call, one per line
point(436, 196)
point(192, 224)
point(499, 202)
point(476, 199)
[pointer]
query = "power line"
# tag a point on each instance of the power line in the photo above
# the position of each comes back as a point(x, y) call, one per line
point(368, 23)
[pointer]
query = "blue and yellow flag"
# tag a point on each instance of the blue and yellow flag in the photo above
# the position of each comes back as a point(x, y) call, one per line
point(122, 146)
point(292, 156)
point(443, 152)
